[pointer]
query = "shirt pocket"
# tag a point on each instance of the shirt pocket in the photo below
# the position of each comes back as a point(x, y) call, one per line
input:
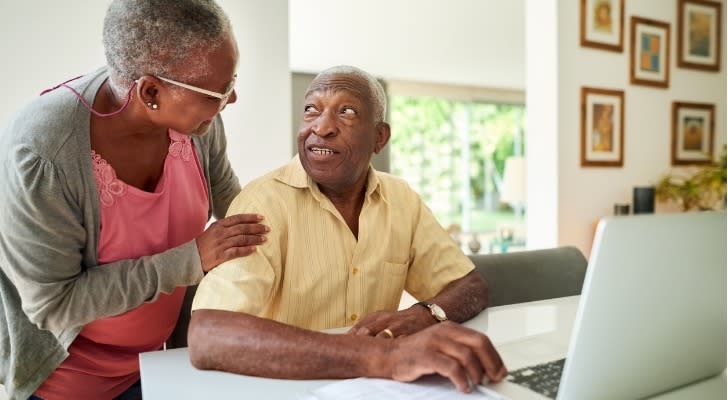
point(384, 286)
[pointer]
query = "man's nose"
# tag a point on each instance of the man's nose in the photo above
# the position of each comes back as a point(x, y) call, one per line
point(324, 125)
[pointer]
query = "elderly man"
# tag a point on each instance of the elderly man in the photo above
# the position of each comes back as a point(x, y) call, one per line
point(344, 241)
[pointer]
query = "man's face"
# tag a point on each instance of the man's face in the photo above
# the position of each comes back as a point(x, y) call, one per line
point(339, 134)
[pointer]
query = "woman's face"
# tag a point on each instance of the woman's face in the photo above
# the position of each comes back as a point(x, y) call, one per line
point(188, 111)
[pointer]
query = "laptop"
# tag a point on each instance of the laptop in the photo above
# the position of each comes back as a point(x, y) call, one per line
point(652, 312)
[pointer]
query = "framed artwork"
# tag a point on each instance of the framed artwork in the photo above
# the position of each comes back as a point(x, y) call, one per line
point(698, 34)
point(602, 127)
point(649, 61)
point(602, 24)
point(692, 133)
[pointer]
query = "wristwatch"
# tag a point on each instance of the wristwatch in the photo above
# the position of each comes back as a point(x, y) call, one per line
point(437, 312)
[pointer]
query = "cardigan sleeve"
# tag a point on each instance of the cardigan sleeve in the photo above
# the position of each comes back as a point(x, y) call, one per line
point(42, 241)
point(224, 184)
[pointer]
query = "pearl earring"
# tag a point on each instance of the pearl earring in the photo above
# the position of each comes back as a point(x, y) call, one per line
point(152, 106)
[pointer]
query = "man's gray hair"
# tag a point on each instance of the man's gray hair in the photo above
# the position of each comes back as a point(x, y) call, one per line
point(156, 37)
point(378, 98)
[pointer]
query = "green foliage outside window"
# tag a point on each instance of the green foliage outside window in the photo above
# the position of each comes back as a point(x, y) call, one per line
point(427, 150)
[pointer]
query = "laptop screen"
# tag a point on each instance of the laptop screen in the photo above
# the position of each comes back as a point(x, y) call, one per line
point(652, 314)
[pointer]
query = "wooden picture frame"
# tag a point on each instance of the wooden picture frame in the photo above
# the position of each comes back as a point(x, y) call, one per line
point(698, 34)
point(602, 127)
point(693, 133)
point(649, 61)
point(602, 24)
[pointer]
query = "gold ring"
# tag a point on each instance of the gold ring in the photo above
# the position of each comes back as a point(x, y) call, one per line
point(388, 332)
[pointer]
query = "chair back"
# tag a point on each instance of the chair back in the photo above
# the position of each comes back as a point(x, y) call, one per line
point(531, 275)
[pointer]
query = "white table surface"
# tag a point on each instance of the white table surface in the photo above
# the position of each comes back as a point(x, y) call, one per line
point(524, 334)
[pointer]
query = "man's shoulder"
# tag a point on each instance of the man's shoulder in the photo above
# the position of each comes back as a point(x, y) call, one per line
point(388, 179)
point(267, 191)
point(264, 182)
point(394, 186)
point(290, 174)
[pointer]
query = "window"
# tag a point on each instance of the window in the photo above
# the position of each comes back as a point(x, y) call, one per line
point(453, 153)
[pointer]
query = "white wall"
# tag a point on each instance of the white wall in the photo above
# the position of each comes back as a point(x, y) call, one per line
point(542, 128)
point(585, 194)
point(466, 42)
point(46, 42)
point(259, 124)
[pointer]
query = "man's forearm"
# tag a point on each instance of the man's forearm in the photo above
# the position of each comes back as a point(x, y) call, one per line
point(244, 344)
point(464, 298)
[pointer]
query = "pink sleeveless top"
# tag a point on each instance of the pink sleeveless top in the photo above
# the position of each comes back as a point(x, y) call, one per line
point(103, 360)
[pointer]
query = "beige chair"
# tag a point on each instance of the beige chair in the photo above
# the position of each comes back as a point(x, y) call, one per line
point(531, 275)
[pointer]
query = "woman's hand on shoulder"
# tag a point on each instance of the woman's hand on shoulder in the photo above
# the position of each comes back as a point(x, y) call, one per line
point(231, 237)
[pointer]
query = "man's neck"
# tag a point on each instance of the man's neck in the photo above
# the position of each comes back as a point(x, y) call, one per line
point(348, 202)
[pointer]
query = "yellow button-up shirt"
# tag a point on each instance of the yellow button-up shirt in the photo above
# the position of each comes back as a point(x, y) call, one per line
point(313, 273)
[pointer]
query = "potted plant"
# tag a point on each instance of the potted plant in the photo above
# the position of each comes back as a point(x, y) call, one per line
point(703, 188)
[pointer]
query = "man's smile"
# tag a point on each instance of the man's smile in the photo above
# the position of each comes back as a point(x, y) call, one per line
point(320, 150)
point(321, 153)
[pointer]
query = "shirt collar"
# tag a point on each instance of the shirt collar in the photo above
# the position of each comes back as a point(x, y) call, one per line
point(295, 176)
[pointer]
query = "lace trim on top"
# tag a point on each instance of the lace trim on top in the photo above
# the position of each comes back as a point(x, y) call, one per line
point(181, 148)
point(110, 186)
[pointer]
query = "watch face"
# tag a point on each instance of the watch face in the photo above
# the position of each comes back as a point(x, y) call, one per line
point(438, 312)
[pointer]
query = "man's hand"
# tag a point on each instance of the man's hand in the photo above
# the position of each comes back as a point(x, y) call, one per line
point(448, 349)
point(398, 323)
point(231, 237)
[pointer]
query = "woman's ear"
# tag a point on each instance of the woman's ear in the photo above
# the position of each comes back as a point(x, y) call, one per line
point(148, 92)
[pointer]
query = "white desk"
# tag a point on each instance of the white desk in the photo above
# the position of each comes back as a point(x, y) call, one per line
point(524, 334)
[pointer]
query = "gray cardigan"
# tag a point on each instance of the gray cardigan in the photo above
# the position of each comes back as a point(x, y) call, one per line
point(50, 283)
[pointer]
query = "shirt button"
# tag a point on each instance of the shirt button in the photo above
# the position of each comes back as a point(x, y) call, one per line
point(354, 317)
point(355, 271)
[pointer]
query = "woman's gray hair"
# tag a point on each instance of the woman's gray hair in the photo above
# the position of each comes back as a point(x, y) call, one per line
point(378, 98)
point(155, 37)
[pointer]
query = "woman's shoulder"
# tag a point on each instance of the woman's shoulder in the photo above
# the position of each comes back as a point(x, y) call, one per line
point(51, 123)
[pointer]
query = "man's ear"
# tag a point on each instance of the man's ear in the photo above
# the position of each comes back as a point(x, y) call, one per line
point(383, 134)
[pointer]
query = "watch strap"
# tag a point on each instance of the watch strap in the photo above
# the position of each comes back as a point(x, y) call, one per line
point(431, 308)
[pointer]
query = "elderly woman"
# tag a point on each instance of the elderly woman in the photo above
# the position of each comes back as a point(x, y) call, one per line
point(108, 183)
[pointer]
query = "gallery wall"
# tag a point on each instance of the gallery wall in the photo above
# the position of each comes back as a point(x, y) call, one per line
point(584, 194)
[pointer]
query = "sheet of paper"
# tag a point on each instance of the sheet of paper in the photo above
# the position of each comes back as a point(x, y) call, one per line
point(427, 388)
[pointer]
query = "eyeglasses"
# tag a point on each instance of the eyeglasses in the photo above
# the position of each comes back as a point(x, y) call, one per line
point(224, 97)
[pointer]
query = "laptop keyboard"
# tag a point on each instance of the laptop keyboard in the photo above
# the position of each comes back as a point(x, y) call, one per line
point(541, 378)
